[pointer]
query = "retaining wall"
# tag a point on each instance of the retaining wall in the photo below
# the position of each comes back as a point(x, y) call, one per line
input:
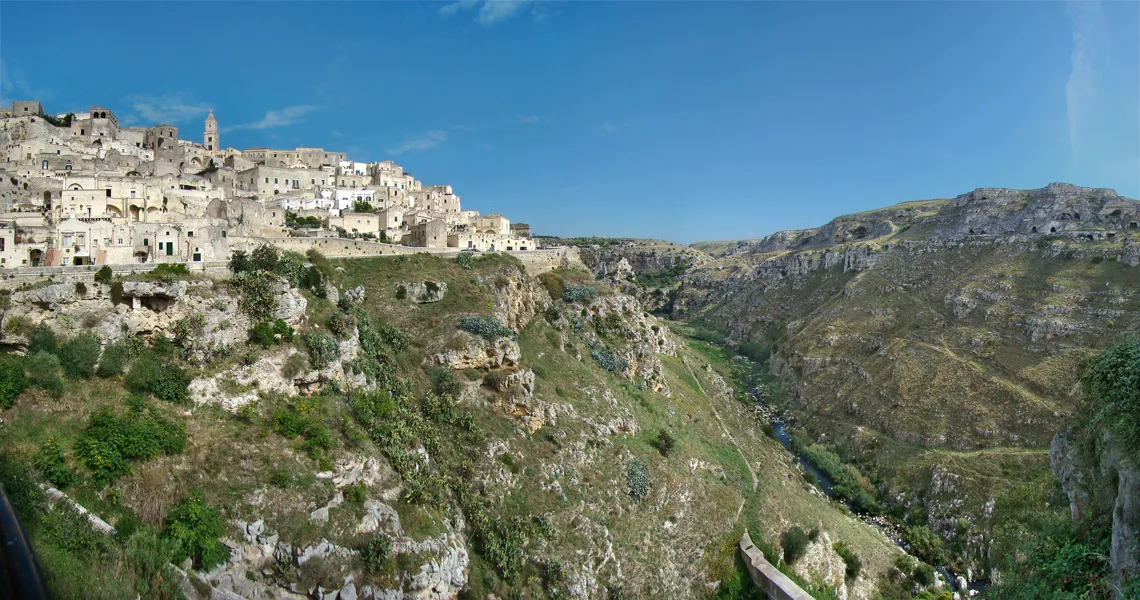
point(767, 577)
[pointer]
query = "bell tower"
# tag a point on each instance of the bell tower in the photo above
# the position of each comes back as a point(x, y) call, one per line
point(210, 138)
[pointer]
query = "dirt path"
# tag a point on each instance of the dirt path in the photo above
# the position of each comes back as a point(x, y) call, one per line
point(720, 421)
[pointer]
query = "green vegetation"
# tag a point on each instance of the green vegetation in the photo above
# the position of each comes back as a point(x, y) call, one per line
point(664, 442)
point(195, 527)
point(637, 478)
point(111, 441)
point(79, 355)
point(113, 360)
point(164, 379)
point(849, 483)
point(42, 339)
point(12, 379)
point(1112, 395)
point(579, 293)
point(168, 272)
point(292, 221)
point(608, 360)
point(794, 542)
point(43, 372)
point(853, 564)
point(664, 278)
point(488, 328)
point(266, 334)
point(53, 464)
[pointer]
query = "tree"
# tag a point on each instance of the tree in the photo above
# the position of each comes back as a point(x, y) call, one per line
point(12, 379)
point(79, 355)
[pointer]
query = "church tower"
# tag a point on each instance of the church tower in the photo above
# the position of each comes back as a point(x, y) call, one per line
point(212, 143)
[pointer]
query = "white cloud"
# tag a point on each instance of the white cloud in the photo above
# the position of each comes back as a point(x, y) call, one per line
point(1090, 53)
point(490, 11)
point(426, 141)
point(13, 85)
point(279, 118)
point(167, 108)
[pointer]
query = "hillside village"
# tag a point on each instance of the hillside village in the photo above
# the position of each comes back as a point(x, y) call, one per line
point(80, 189)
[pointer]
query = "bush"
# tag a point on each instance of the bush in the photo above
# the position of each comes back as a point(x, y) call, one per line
point(609, 361)
point(794, 542)
point(313, 281)
point(163, 379)
point(1112, 395)
point(444, 382)
point(116, 293)
point(579, 293)
point(169, 272)
point(113, 360)
point(637, 478)
point(340, 324)
point(110, 442)
point(375, 553)
point(553, 283)
point(356, 493)
point(43, 372)
point(487, 327)
point(294, 365)
point(264, 258)
point(195, 528)
point(12, 379)
point(925, 544)
point(853, 563)
point(79, 355)
point(80, 288)
point(239, 262)
point(923, 574)
point(323, 349)
point(42, 339)
point(258, 294)
point(104, 275)
point(664, 442)
point(465, 261)
point(52, 463)
point(262, 335)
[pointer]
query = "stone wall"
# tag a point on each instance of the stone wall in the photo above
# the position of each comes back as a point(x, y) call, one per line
point(768, 578)
point(536, 261)
point(13, 278)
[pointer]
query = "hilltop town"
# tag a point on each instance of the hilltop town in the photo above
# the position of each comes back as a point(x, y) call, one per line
point(80, 189)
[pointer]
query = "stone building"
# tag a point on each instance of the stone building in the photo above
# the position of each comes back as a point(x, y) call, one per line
point(211, 140)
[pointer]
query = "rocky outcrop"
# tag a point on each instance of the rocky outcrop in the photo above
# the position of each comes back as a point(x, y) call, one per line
point(422, 292)
point(467, 351)
point(639, 340)
point(516, 298)
point(1099, 476)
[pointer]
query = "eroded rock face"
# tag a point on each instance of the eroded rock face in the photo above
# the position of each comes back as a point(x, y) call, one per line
point(467, 351)
point(516, 298)
point(1113, 484)
point(644, 338)
point(422, 292)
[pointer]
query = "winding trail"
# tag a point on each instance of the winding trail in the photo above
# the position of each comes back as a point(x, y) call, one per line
point(723, 428)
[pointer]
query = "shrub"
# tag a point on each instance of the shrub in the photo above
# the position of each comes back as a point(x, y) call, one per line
point(375, 553)
point(116, 293)
point(794, 542)
point(104, 275)
point(923, 574)
point(262, 335)
point(80, 288)
point(313, 281)
point(264, 258)
point(853, 563)
point(402, 292)
point(12, 379)
point(339, 324)
point(79, 355)
point(1112, 395)
point(664, 442)
point(110, 442)
point(52, 463)
point(551, 315)
point(43, 372)
point(71, 530)
point(356, 493)
point(579, 293)
point(444, 381)
point(465, 261)
point(239, 262)
point(487, 327)
point(323, 349)
point(258, 294)
point(637, 479)
point(195, 527)
point(169, 272)
point(42, 339)
point(925, 544)
point(114, 358)
point(163, 379)
point(553, 283)
point(609, 361)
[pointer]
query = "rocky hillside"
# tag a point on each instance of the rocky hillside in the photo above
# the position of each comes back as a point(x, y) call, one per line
point(393, 427)
point(937, 343)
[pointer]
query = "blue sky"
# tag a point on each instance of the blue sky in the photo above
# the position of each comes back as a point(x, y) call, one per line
point(682, 121)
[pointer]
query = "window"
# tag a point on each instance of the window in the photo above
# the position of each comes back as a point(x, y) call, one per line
point(274, 180)
point(108, 192)
point(223, 233)
point(146, 241)
point(44, 166)
point(189, 234)
point(120, 241)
